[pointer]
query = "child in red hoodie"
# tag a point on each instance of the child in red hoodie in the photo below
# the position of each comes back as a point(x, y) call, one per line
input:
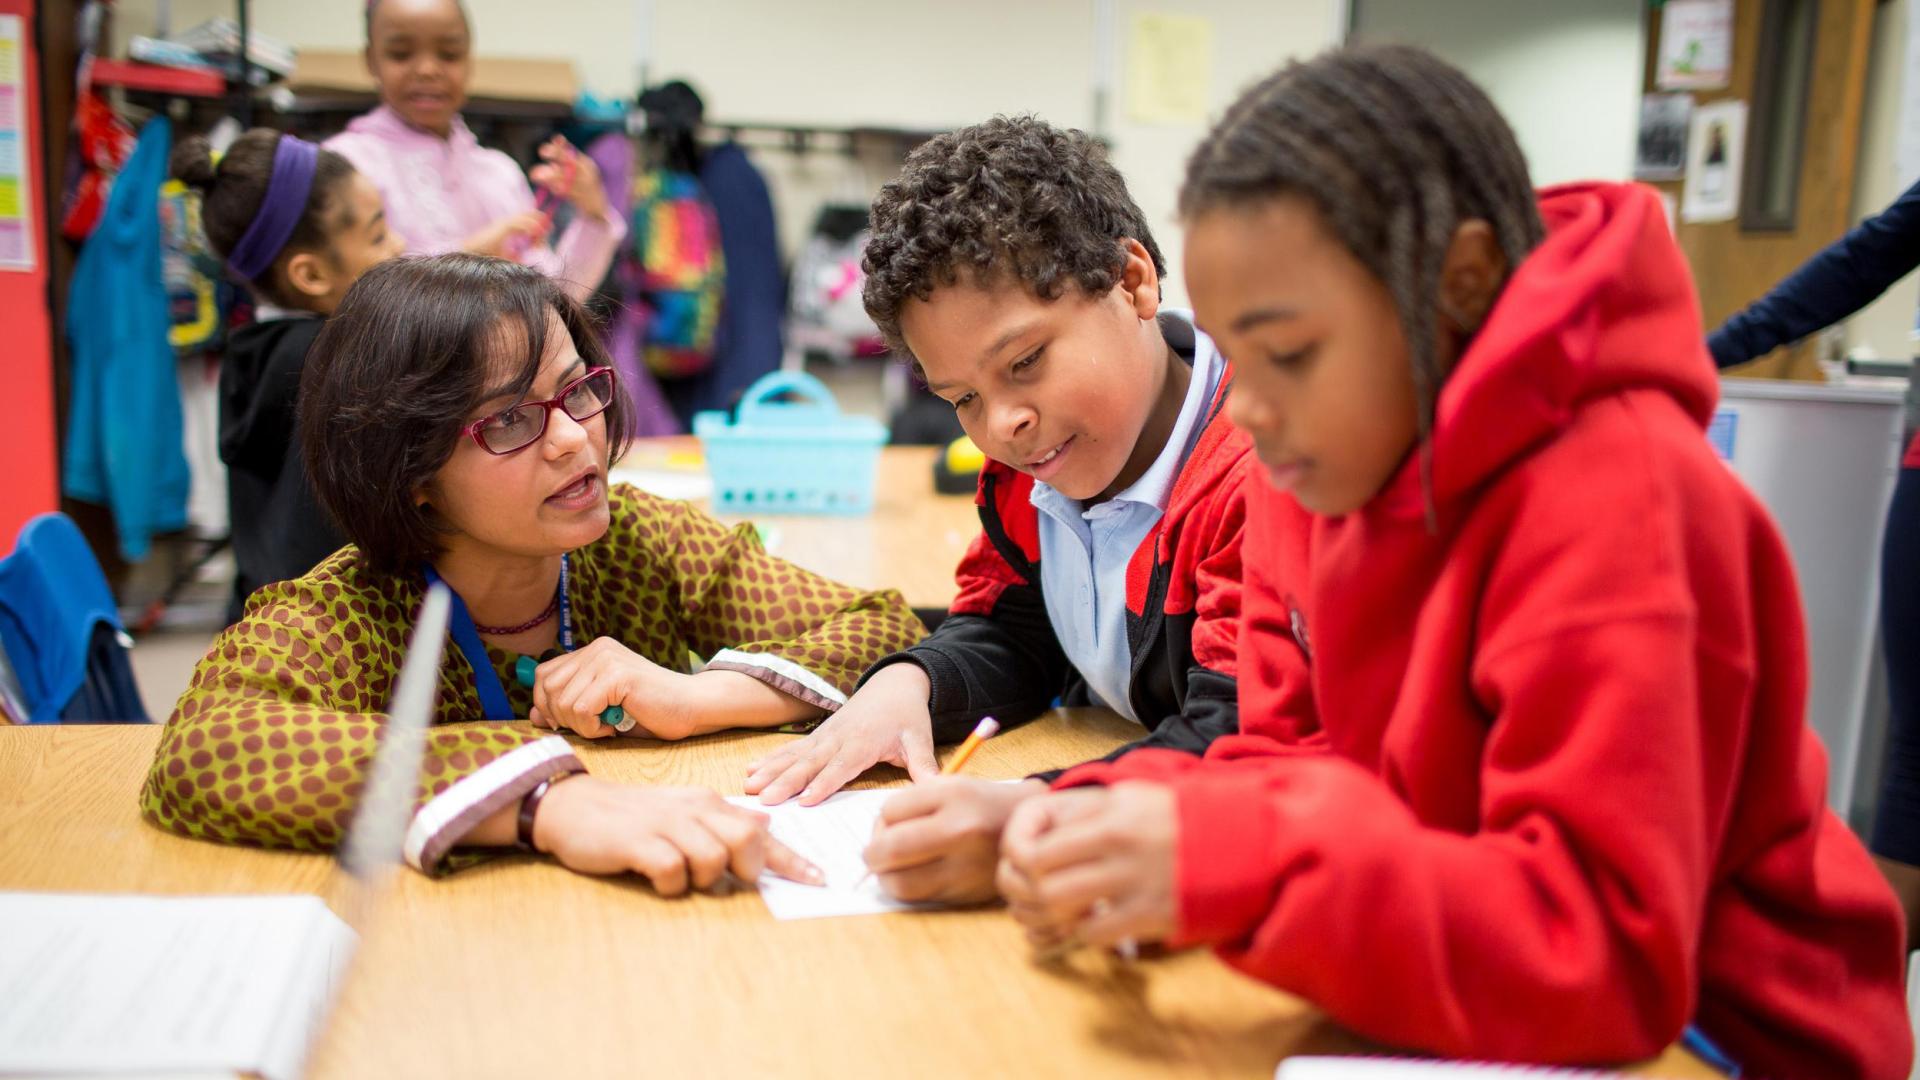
point(1524, 770)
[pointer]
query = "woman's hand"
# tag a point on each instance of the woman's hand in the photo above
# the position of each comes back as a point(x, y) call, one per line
point(504, 237)
point(941, 840)
point(886, 720)
point(572, 176)
point(571, 691)
point(677, 838)
point(1093, 865)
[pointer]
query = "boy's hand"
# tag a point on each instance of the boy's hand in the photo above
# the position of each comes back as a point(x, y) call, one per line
point(571, 691)
point(1093, 865)
point(940, 841)
point(676, 837)
point(887, 720)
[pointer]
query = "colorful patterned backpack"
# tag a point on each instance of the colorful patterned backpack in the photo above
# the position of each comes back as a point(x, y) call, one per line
point(674, 272)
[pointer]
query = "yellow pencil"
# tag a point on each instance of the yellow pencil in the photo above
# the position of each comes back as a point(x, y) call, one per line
point(986, 729)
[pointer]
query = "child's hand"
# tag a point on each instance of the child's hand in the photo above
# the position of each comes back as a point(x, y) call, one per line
point(502, 238)
point(886, 721)
point(571, 691)
point(571, 175)
point(941, 840)
point(675, 837)
point(1093, 865)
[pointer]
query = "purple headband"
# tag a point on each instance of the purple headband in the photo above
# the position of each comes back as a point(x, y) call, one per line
point(280, 211)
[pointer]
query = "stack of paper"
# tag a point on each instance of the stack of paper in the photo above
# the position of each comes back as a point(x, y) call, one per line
point(123, 984)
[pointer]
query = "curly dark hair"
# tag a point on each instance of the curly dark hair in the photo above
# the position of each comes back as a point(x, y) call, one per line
point(1014, 198)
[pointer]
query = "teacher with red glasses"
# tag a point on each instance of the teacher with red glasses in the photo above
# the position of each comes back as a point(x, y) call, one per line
point(458, 419)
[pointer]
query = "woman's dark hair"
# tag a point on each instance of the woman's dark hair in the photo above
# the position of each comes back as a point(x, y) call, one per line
point(1011, 199)
point(232, 191)
point(1395, 148)
point(401, 367)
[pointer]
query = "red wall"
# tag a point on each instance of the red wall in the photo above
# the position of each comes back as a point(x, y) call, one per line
point(28, 464)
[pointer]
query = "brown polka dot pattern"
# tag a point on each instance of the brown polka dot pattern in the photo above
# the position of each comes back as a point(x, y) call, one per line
point(269, 742)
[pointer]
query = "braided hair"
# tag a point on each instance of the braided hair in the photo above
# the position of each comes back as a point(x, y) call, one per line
point(1395, 148)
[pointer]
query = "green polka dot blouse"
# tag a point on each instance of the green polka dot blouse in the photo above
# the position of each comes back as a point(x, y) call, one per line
point(269, 743)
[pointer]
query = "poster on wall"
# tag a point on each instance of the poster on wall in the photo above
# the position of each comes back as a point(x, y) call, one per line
point(1716, 145)
point(1661, 153)
point(17, 251)
point(1169, 68)
point(1696, 45)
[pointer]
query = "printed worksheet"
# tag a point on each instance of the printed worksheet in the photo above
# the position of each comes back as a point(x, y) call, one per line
point(165, 984)
point(832, 835)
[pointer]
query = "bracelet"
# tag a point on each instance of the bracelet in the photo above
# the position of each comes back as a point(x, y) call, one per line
point(529, 805)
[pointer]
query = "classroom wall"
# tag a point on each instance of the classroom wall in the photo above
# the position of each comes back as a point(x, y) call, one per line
point(846, 62)
point(1885, 328)
point(26, 346)
point(1566, 74)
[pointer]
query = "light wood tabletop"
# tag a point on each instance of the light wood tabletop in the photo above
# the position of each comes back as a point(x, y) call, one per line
point(912, 541)
point(519, 968)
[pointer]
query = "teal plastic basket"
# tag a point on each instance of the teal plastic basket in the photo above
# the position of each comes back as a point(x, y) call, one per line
point(791, 457)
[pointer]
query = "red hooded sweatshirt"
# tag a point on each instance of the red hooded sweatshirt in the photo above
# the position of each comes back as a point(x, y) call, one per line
point(1538, 784)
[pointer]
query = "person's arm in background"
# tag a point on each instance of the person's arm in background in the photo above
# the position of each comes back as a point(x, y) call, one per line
point(584, 250)
point(1844, 277)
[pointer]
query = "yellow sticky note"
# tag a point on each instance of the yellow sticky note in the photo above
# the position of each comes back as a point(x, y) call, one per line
point(1169, 68)
point(9, 198)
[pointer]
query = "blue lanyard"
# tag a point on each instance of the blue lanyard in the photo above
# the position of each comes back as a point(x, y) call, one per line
point(466, 636)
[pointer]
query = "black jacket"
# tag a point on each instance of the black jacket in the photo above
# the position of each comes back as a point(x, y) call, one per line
point(279, 529)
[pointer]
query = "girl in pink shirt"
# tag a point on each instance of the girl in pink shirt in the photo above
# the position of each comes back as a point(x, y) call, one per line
point(443, 190)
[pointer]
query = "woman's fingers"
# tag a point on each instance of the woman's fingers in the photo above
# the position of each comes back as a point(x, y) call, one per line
point(661, 862)
point(745, 835)
point(786, 862)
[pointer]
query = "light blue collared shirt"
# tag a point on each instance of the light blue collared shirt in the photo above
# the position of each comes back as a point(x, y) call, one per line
point(1084, 551)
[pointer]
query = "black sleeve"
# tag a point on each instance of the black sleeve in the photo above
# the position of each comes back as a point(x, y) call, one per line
point(1212, 709)
point(258, 397)
point(1007, 665)
point(1840, 279)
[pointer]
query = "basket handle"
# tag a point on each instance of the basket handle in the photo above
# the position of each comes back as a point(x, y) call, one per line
point(757, 402)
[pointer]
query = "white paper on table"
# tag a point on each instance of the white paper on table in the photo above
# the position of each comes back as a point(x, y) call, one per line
point(121, 984)
point(832, 836)
point(667, 482)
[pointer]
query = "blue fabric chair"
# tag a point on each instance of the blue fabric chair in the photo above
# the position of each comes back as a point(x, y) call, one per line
point(60, 631)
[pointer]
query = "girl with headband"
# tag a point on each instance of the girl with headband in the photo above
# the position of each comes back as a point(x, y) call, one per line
point(298, 225)
point(443, 189)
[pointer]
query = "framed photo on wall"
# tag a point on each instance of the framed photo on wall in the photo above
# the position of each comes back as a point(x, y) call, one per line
point(1696, 45)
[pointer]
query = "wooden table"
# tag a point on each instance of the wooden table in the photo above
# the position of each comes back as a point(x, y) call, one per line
point(520, 968)
point(912, 541)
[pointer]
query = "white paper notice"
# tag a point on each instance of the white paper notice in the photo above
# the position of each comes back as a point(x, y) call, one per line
point(123, 984)
point(1715, 149)
point(1696, 45)
point(832, 836)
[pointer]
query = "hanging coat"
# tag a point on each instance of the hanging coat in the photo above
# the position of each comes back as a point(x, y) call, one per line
point(124, 448)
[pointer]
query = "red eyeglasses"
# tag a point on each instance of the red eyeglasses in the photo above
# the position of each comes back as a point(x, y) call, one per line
point(521, 426)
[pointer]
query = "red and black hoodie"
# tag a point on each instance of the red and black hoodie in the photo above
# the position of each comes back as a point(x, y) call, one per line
point(996, 653)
